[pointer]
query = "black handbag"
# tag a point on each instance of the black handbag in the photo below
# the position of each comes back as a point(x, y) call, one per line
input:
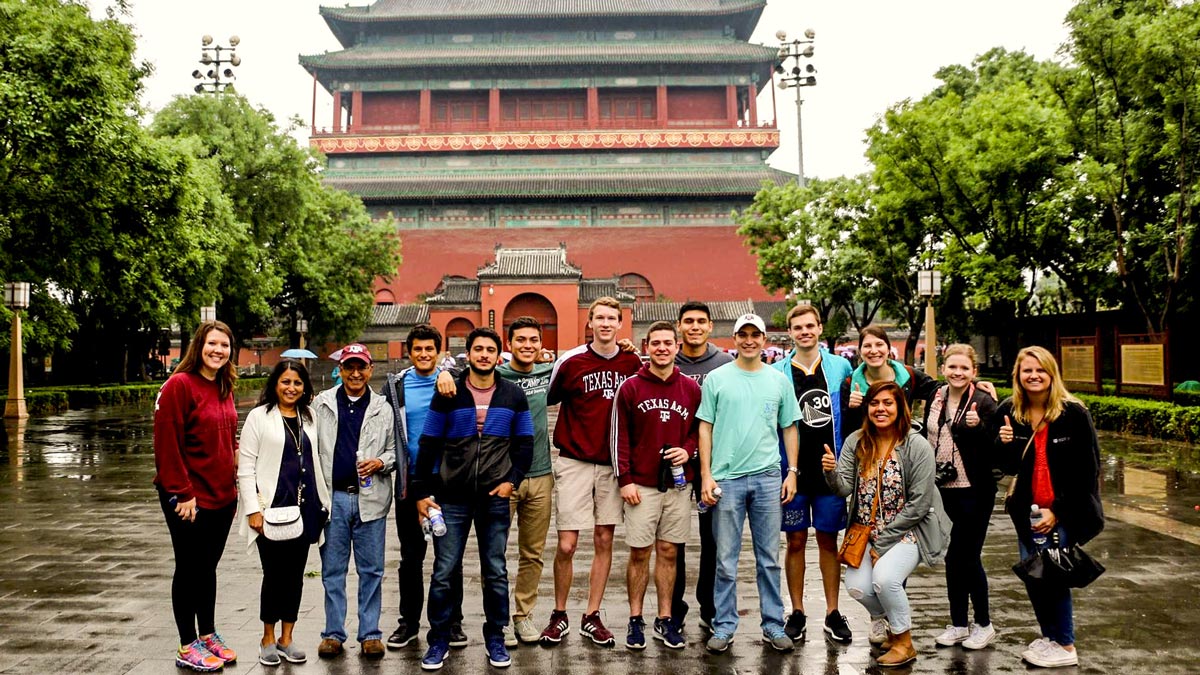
point(1069, 566)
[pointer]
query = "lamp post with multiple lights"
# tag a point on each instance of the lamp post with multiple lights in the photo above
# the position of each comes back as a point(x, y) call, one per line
point(213, 57)
point(801, 74)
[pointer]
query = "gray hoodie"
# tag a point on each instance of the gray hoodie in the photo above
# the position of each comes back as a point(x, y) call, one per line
point(699, 367)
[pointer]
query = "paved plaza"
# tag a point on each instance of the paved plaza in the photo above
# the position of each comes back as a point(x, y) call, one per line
point(86, 569)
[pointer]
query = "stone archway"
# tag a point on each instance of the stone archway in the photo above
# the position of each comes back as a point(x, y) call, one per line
point(537, 306)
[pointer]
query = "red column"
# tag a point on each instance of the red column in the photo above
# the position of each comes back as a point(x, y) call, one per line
point(660, 106)
point(750, 90)
point(493, 109)
point(731, 105)
point(426, 110)
point(356, 111)
point(337, 111)
point(593, 107)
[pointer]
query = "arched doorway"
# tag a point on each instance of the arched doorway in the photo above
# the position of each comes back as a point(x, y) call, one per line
point(537, 306)
point(456, 335)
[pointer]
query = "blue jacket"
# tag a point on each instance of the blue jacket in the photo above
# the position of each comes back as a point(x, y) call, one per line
point(836, 369)
point(456, 463)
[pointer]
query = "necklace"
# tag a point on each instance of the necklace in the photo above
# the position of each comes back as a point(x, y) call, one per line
point(295, 434)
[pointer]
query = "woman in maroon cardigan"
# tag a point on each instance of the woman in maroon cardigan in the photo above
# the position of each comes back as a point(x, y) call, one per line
point(195, 445)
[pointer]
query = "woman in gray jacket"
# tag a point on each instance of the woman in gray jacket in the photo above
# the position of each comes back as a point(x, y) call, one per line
point(887, 460)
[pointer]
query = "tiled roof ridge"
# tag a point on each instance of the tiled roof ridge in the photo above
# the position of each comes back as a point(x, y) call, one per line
point(419, 10)
point(530, 262)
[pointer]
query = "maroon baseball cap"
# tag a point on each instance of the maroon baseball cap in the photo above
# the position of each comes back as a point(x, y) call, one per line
point(355, 351)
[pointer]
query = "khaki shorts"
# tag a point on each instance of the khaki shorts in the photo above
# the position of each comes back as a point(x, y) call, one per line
point(586, 495)
point(660, 515)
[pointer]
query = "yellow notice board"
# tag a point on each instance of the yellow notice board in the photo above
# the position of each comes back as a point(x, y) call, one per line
point(1079, 363)
point(1143, 365)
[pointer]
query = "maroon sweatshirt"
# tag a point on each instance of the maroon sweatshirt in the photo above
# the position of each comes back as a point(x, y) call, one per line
point(585, 383)
point(195, 441)
point(650, 413)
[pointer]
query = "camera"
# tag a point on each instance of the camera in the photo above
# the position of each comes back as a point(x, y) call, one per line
point(946, 472)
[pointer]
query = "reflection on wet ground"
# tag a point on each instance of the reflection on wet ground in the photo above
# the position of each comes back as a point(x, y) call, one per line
point(87, 564)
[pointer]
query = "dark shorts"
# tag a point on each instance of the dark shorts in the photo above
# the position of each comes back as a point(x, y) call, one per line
point(824, 513)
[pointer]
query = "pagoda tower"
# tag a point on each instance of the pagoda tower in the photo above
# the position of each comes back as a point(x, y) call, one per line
point(627, 130)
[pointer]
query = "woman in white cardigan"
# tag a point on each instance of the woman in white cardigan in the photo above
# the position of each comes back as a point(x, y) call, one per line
point(280, 468)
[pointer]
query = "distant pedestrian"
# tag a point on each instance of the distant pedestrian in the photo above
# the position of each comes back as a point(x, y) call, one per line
point(1047, 439)
point(958, 426)
point(195, 442)
point(887, 471)
point(279, 468)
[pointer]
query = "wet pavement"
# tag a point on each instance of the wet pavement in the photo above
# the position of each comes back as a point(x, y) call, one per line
point(86, 570)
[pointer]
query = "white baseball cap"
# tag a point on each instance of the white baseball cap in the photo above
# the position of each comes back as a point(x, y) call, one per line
point(749, 320)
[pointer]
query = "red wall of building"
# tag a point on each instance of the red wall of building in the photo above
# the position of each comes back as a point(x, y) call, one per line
point(709, 263)
point(391, 109)
point(695, 104)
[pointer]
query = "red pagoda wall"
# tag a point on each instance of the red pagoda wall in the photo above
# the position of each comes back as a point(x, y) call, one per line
point(696, 104)
point(709, 263)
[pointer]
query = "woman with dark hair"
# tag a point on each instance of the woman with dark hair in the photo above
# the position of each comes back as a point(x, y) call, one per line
point(875, 349)
point(1047, 439)
point(957, 425)
point(195, 442)
point(280, 468)
point(887, 471)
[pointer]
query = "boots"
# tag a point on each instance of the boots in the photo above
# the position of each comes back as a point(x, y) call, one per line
point(888, 641)
point(900, 652)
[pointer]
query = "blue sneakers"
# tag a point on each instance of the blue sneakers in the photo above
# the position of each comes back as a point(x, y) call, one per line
point(668, 631)
point(435, 656)
point(497, 652)
point(635, 636)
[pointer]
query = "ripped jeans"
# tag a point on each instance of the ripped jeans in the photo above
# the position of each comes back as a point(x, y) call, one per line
point(880, 587)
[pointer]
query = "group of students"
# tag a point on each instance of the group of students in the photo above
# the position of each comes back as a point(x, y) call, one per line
point(807, 442)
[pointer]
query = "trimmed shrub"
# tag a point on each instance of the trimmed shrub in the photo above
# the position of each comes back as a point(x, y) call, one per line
point(45, 401)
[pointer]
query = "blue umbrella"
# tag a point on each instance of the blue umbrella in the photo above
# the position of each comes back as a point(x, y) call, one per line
point(298, 354)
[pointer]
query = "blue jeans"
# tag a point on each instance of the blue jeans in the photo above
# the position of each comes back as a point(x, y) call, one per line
point(880, 586)
point(755, 496)
point(491, 518)
point(1051, 604)
point(345, 532)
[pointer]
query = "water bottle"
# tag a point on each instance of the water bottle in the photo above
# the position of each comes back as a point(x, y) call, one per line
point(703, 507)
point(1035, 516)
point(426, 531)
point(365, 483)
point(680, 480)
point(436, 523)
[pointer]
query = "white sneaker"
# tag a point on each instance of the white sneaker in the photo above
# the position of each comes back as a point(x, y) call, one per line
point(953, 635)
point(879, 631)
point(981, 636)
point(1052, 655)
point(510, 640)
point(527, 631)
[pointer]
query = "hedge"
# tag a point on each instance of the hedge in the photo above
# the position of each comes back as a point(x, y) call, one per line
point(1156, 419)
point(47, 400)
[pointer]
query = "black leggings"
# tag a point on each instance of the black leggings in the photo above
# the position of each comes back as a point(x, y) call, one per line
point(283, 578)
point(971, 512)
point(198, 548)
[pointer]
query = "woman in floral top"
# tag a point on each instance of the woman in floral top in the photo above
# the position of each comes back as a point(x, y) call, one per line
point(908, 525)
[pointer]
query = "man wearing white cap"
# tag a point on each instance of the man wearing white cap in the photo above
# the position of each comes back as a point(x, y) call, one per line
point(743, 407)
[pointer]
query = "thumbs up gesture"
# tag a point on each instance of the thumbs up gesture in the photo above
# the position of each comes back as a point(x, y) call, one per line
point(972, 416)
point(828, 461)
point(855, 397)
point(1006, 431)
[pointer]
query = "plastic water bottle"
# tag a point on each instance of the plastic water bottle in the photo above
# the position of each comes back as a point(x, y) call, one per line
point(703, 507)
point(425, 530)
point(436, 522)
point(680, 480)
point(365, 483)
point(1035, 516)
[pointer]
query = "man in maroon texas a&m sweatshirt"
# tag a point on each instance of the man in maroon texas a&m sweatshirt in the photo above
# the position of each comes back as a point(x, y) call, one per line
point(654, 426)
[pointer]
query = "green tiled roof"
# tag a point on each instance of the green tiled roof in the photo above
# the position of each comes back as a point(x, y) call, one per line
point(545, 54)
point(420, 10)
point(689, 182)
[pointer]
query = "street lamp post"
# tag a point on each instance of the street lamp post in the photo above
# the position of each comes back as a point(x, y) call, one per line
point(211, 57)
point(801, 76)
point(302, 329)
point(929, 286)
point(208, 313)
point(16, 298)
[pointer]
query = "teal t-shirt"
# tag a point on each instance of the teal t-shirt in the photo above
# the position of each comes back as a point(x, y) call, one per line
point(747, 409)
point(535, 385)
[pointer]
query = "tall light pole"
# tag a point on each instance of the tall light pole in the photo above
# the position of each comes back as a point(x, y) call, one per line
point(802, 74)
point(211, 57)
point(929, 286)
point(16, 298)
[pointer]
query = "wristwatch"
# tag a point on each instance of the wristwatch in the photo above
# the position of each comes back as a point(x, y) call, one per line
point(792, 469)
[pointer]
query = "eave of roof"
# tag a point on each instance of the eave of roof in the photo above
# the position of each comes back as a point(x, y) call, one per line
point(458, 10)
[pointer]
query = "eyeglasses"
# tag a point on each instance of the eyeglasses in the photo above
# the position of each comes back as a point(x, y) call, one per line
point(355, 367)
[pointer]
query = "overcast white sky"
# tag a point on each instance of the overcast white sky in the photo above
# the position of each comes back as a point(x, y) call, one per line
point(869, 55)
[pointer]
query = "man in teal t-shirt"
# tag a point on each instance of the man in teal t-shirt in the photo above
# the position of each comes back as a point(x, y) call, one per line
point(743, 407)
point(531, 502)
